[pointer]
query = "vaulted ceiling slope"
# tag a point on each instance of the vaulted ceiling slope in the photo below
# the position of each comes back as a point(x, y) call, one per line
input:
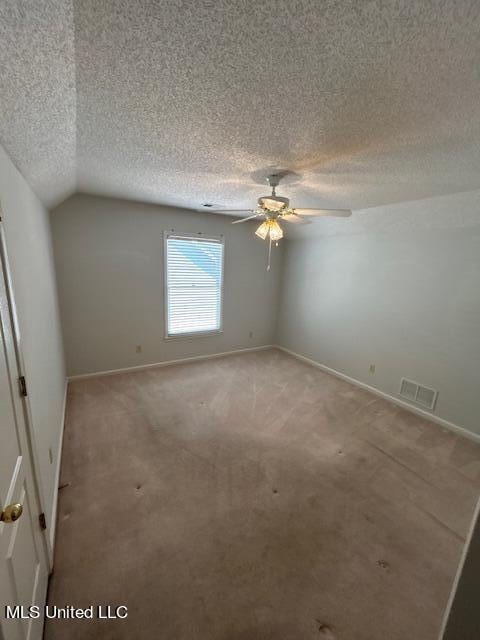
point(37, 93)
point(184, 102)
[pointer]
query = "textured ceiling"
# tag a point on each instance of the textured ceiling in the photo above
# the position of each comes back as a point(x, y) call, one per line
point(189, 102)
point(37, 93)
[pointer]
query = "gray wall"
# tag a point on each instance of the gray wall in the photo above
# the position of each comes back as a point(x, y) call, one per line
point(109, 258)
point(395, 286)
point(27, 233)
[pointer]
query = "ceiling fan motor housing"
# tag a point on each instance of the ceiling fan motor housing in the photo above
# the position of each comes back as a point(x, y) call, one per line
point(273, 203)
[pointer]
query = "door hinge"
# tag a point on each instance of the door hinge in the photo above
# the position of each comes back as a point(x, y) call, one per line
point(42, 521)
point(22, 383)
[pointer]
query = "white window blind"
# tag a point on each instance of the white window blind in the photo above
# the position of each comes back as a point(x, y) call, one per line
point(194, 278)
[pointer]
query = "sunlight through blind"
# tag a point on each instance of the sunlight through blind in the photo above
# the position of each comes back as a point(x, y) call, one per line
point(194, 274)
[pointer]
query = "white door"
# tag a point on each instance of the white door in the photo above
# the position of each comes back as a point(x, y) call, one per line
point(23, 555)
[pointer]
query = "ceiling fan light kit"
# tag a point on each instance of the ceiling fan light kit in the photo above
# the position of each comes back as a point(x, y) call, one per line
point(271, 227)
point(274, 209)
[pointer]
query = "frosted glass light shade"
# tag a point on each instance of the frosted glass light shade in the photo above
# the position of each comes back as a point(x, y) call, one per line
point(276, 232)
point(271, 227)
point(263, 229)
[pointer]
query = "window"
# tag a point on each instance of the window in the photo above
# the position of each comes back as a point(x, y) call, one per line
point(193, 284)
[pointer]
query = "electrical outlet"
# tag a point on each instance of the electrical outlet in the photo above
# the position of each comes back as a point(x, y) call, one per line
point(138, 348)
point(50, 455)
point(372, 368)
point(250, 335)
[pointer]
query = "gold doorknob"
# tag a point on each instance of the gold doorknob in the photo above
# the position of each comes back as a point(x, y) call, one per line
point(12, 512)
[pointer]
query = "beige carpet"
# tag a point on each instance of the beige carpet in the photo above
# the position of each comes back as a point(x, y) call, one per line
point(254, 497)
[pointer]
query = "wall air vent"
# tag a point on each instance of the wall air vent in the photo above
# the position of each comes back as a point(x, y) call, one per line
point(408, 389)
point(418, 394)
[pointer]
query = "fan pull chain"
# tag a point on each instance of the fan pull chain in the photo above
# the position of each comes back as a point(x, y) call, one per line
point(270, 252)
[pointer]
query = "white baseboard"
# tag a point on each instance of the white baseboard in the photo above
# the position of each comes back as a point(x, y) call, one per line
point(53, 522)
point(419, 412)
point(168, 363)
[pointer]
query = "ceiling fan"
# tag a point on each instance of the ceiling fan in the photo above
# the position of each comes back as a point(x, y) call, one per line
point(274, 209)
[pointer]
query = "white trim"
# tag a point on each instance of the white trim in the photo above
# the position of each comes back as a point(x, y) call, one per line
point(53, 521)
point(168, 363)
point(386, 396)
point(195, 334)
point(25, 401)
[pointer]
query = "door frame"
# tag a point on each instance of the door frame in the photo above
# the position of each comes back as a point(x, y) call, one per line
point(20, 365)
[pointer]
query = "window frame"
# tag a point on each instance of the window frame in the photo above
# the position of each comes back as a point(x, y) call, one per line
point(219, 239)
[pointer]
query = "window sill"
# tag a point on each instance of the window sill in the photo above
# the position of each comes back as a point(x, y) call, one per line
point(195, 334)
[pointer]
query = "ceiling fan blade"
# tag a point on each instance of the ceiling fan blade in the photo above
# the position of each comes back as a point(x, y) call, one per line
point(339, 213)
point(292, 217)
point(235, 211)
point(255, 215)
